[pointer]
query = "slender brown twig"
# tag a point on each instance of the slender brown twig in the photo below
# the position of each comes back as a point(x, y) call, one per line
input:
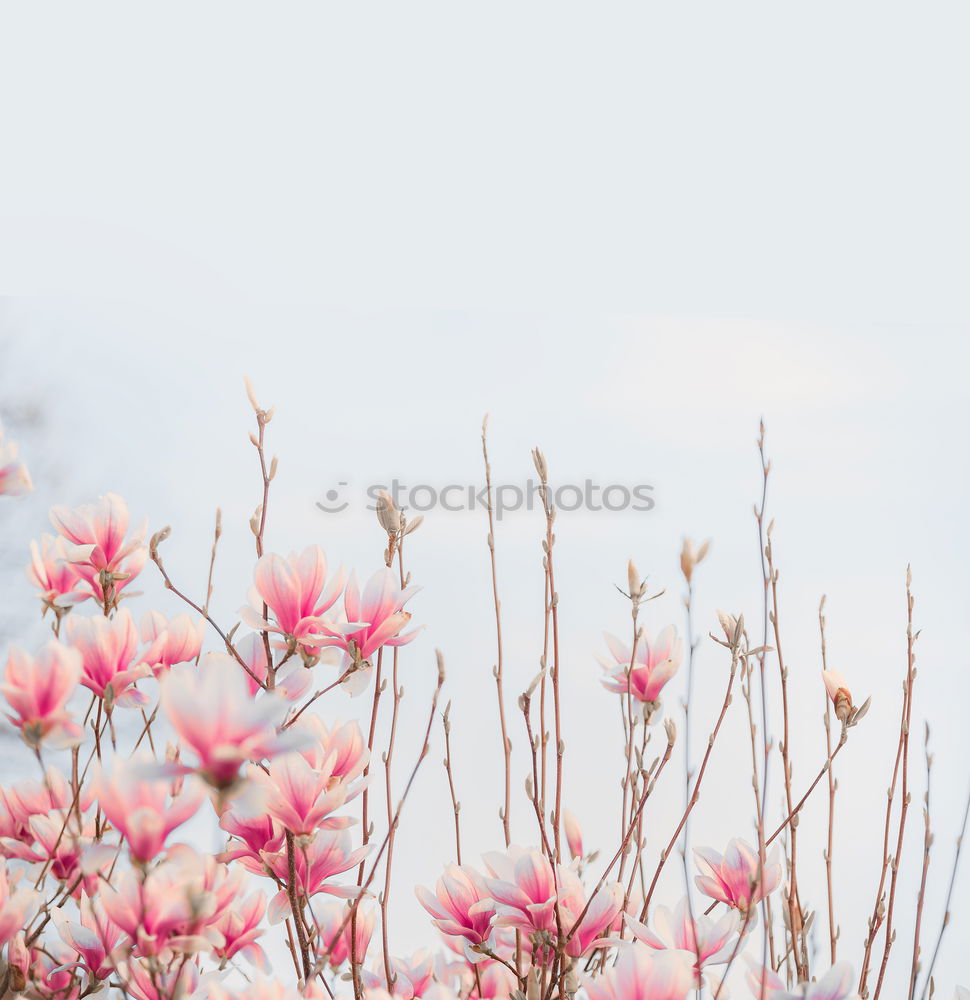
point(927, 844)
point(497, 669)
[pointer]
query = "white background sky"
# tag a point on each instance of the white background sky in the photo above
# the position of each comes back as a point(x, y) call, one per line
point(627, 234)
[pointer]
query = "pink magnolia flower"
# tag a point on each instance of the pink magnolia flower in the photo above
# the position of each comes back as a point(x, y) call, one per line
point(109, 650)
point(239, 927)
point(836, 984)
point(93, 939)
point(104, 558)
point(38, 689)
point(336, 937)
point(65, 850)
point(710, 941)
point(295, 592)
point(140, 808)
point(145, 981)
point(528, 890)
point(380, 609)
point(170, 642)
point(329, 854)
point(14, 477)
point(20, 801)
point(55, 577)
point(655, 662)
point(643, 974)
point(412, 977)
point(301, 797)
point(169, 908)
point(17, 905)
point(461, 905)
point(266, 989)
point(735, 877)
point(344, 742)
point(252, 833)
point(215, 716)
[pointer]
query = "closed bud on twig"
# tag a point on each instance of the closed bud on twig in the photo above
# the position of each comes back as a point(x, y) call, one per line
point(729, 624)
point(689, 558)
point(157, 540)
point(633, 579)
point(387, 514)
point(540, 463)
point(839, 692)
point(671, 727)
point(440, 658)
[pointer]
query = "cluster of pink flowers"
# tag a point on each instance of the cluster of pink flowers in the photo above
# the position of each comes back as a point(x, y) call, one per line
point(147, 744)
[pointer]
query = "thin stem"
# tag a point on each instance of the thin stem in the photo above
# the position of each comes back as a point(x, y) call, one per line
point(497, 671)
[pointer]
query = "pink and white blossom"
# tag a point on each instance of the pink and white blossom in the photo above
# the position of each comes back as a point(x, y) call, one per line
point(104, 557)
point(38, 688)
point(643, 672)
point(735, 877)
point(641, 973)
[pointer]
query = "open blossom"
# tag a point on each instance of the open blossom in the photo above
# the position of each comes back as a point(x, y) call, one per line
point(412, 977)
point(252, 833)
point(178, 640)
point(37, 688)
point(14, 477)
point(654, 662)
point(380, 612)
point(214, 714)
point(145, 981)
point(295, 592)
point(109, 651)
point(836, 984)
point(68, 852)
point(174, 905)
point(735, 877)
point(344, 742)
point(317, 864)
point(528, 892)
point(711, 941)
point(94, 938)
point(461, 905)
point(30, 797)
point(18, 903)
point(335, 932)
point(103, 556)
point(140, 808)
point(643, 974)
point(239, 926)
point(57, 580)
point(301, 797)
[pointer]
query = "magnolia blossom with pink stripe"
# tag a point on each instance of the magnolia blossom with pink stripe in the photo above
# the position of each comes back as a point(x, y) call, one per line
point(38, 688)
point(234, 727)
point(138, 805)
point(641, 973)
point(99, 549)
point(735, 877)
point(296, 594)
point(642, 672)
point(109, 651)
